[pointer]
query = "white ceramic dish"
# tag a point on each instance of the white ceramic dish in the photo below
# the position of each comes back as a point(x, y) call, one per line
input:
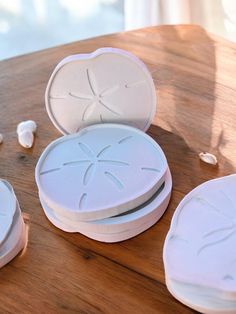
point(104, 179)
point(7, 209)
point(102, 171)
point(108, 85)
point(199, 251)
point(120, 227)
point(203, 300)
point(13, 238)
point(103, 237)
point(15, 241)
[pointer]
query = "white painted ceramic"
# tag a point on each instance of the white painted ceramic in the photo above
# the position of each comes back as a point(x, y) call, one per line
point(7, 209)
point(12, 227)
point(102, 171)
point(120, 227)
point(104, 237)
point(201, 299)
point(199, 251)
point(104, 177)
point(109, 85)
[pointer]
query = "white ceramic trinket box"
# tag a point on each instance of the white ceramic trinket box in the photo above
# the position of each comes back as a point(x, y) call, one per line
point(121, 227)
point(108, 181)
point(199, 251)
point(12, 227)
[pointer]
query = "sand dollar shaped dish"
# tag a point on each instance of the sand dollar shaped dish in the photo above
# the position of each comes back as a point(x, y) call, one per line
point(199, 251)
point(108, 85)
point(7, 209)
point(120, 227)
point(12, 227)
point(102, 171)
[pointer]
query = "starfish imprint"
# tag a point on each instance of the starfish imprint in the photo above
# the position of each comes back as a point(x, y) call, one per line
point(222, 233)
point(93, 160)
point(96, 98)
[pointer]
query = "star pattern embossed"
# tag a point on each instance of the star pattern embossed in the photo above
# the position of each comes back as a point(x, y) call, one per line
point(92, 162)
point(97, 99)
point(218, 235)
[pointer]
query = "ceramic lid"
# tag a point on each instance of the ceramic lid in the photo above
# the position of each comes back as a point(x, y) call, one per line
point(12, 227)
point(203, 230)
point(101, 171)
point(109, 85)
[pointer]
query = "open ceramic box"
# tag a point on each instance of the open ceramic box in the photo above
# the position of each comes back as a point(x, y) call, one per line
point(12, 227)
point(105, 178)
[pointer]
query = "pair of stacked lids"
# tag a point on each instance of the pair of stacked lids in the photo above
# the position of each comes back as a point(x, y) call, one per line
point(12, 227)
point(105, 178)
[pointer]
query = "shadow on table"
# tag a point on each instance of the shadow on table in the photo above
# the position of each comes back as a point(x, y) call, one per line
point(185, 83)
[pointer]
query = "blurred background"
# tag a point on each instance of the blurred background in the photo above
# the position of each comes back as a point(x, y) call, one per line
point(30, 25)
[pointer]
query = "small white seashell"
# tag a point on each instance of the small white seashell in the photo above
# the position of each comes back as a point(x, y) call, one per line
point(25, 131)
point(29, 125)
point(208, 158)
point(1, 138)
point(26, 139)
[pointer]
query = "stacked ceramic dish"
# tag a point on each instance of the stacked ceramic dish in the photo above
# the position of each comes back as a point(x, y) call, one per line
point(199, 251)
point(105, 178)
point(12, 227)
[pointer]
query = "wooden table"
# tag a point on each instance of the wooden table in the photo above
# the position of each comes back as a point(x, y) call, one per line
point(194, 74)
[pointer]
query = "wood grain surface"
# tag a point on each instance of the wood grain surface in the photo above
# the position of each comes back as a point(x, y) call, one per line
point(194, 75)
